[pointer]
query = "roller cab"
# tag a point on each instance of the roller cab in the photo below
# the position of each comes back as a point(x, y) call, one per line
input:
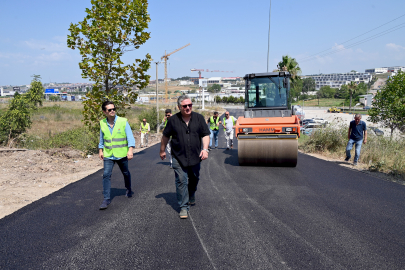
point(268, 132)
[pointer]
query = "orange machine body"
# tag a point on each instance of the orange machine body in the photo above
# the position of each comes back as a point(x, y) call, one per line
point(268, 125)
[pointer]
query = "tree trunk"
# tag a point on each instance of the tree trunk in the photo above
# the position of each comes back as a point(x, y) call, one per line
point(350, 107)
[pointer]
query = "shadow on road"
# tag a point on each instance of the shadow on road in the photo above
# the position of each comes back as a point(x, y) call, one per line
point(232, 158)
point(164, 163)
point(170, 198)
point(117, 192)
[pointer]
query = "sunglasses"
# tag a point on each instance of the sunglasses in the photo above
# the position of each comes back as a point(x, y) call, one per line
point(226, 114)
point(187, 105)
point(167, 115)
point(113, 109)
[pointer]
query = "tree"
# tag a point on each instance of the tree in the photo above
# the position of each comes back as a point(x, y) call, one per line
point(308, 85)
point(352, 89)
point(110, 29)
point(326, 92)
point(16, 120)
point(353, 71)
point(296, 87)
point(214, 88)
point(291, 65)
point(389, 104)
point(342, 92)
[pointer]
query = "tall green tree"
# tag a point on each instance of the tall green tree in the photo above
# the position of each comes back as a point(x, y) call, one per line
point(389, 104)
point(291, 65)
point(35, 95)
point(352, 86)
point(296, 88)
point(308, 85)
point(342, 92)
point(214, 88)
point(110, 29)
point(326, 92)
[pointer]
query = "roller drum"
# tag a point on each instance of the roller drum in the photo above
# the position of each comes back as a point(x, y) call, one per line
point(269, 152)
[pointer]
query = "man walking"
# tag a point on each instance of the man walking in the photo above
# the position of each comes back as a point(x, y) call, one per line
point(168, 113)
point(145, 129)
point(229, 124)
point(214, 122)
point(187, 129)
point(115, 146)
point(357, 135)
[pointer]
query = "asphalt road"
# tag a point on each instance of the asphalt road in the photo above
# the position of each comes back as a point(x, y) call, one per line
point(318, 215)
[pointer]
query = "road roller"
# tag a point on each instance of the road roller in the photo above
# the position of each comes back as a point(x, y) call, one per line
point(268, 131)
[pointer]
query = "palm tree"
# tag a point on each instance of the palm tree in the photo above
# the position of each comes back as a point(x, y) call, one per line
point(291, 65)
point(352, 89)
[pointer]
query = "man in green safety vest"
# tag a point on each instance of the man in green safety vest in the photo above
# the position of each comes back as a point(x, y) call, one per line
point(145, 129)
point(214, 123)
point(115, 146)
point(229, 124)
point(168, 114)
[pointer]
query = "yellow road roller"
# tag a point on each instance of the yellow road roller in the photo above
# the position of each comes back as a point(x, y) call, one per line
point(268, 131)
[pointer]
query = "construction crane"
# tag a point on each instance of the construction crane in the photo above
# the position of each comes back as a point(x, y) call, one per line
point(165, 58)
point(207, 70)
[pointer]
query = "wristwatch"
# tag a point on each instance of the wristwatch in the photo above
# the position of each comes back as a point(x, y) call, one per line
point(206, 150)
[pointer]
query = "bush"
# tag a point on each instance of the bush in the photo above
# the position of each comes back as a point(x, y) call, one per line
point(80, 138)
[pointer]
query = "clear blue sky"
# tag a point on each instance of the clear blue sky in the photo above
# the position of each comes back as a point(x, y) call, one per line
point(224, 35)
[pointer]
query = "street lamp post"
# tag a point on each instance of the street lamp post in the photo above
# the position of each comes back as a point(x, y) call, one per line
point(157, 98)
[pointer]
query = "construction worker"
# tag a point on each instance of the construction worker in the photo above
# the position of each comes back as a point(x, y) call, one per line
point(214, 123)
point(229, 124)
point(168, 113)
point(115, 146)
point(145, 129)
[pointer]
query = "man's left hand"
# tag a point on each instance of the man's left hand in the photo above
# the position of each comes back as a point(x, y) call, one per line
point(365, 141)
point(203, 154)
point(130, 154)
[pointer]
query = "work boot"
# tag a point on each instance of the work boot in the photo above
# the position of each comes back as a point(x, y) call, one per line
point(191, 200)
point(128, 194)
point(347, 159)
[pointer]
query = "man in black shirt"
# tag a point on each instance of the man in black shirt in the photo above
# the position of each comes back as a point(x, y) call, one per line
point(187, 130)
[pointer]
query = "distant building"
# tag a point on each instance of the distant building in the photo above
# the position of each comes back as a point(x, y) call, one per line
point(336, 80)
point(186, 83)
point(381, 70)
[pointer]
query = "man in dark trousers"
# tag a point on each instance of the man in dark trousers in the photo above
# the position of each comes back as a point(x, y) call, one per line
point(214, 123)
point(357, 135)
point(187, 129)
point(115, 146)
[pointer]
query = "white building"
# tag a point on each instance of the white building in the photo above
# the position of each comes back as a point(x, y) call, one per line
point(186, 83)
point(336, 80)
point(381, 70)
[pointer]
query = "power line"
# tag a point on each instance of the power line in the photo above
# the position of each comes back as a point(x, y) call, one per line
point(310, 56)
point(395, 28)
point(268, 45)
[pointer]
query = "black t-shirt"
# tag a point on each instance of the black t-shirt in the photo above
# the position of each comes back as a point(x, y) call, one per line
point(186, 140)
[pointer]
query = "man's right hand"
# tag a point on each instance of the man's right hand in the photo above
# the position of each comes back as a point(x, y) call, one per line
point(101, 154)
point(163, 155)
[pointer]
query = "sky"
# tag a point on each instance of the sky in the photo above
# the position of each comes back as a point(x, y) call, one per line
point(230, 36)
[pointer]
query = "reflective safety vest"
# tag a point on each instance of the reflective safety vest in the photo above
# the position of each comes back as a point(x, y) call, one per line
point(116, 143)
point(233, 120)
point(165, 122)
point(213, 123)
point(144, 128)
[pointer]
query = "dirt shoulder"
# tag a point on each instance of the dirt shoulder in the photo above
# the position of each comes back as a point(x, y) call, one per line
point(28, 175)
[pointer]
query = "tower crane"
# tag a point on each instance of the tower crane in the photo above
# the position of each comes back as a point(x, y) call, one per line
point(165, 58)
point(207, 70)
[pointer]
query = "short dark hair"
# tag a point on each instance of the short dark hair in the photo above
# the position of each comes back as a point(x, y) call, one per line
point(105, 103)
point(168, 111)
point(215, 113)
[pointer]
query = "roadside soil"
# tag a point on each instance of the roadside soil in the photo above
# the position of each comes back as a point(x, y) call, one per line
point(28, 175)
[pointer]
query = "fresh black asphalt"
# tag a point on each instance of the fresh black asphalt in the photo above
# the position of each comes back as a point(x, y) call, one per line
point(318, 215)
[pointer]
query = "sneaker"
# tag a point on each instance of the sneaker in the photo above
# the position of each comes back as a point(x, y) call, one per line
point(347, 159)
point(183, 213)
point(227, 148)
point(128, 194)
point(105, 204)
point(355, 163)
point(191, 201)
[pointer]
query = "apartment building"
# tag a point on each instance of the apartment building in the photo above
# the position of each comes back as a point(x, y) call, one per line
point(336, 80)
point(381, 70)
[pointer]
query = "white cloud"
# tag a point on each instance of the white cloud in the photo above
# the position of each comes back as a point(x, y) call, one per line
point(395, 47)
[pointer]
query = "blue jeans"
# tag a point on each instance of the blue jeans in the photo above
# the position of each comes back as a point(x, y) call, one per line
point(357, 149)
point(214, 133)
point(186, 182)
point(108, 167)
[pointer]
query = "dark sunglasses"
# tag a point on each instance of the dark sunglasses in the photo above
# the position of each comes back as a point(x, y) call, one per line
point(167, 115)
point(226, 114)
point(113, 109)
point(187, 105)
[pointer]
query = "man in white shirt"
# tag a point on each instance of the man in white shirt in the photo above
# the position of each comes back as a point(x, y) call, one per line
point(229, 124)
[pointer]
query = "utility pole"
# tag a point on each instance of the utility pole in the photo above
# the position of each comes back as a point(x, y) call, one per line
point(157, 98)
